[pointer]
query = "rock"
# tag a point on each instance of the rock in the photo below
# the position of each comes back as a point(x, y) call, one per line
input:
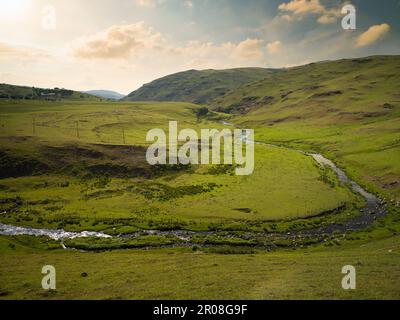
point(388, 106)
point(84, 274)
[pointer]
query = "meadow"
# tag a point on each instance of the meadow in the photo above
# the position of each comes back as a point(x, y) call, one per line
point(313, 273)
point(93, 176)
point(200, 231)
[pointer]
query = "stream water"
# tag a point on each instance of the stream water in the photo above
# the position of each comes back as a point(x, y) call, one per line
point(56, 234)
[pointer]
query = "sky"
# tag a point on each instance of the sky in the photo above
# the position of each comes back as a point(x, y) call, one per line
point(122, 44)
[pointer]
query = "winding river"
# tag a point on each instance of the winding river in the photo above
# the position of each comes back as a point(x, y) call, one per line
point(374, 208)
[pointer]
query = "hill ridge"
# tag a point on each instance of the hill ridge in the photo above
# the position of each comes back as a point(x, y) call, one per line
point(197, 86)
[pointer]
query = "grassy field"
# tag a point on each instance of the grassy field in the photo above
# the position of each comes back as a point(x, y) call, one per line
point(93, 122)
point(97, 177)
point(80, 165)
point(313, 273)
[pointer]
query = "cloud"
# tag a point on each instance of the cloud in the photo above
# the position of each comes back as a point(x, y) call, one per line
point(297, 9)
point(118, 42)
point(146, 3)
point(327, 19)
point(250, 48)
point(139, 44)
point(300, 7)
point(372, 35)
point(204, 55)
point(9, 51)
point(274, 47)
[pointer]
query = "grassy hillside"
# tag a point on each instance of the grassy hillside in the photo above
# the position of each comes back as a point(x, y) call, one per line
point(197, 86)
point(101, 122)
point(348, 109)
point(8, 91)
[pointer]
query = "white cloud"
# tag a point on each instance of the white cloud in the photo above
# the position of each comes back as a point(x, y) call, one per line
point(274, 47)
point(136, 42)
point(118, 42)
point(21, 53)
point(204, 55)
point(250, 48)
point(297, 9)
point(372, 35)
point(327, 19)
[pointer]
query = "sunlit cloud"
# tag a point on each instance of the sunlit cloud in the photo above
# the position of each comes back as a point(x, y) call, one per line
point(9, 52)
point(300, 7)
point(118, 42)
point(250, 48)
point(122, 42)
point(297, 9)
point(372, 35)
point(274, 47)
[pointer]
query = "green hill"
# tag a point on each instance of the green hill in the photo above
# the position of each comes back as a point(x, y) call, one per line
point(345, 84)
point(197, 86)
point(8, 91)
point(347, 109)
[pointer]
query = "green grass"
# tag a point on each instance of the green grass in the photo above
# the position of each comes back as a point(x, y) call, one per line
point(94, 181)
point(349, 110)
point(98, 122)
point(313, 273)
point(286, 185)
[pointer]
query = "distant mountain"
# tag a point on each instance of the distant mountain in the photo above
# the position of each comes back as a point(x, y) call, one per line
point(197, 86)
point(106, 94)
point(8, 91)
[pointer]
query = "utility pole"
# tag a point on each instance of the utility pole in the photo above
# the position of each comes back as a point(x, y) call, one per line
point(123, 135)
point(77, 129)
point(33, 126)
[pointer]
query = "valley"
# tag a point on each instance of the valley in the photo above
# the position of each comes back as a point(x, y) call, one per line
point(324, 192)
